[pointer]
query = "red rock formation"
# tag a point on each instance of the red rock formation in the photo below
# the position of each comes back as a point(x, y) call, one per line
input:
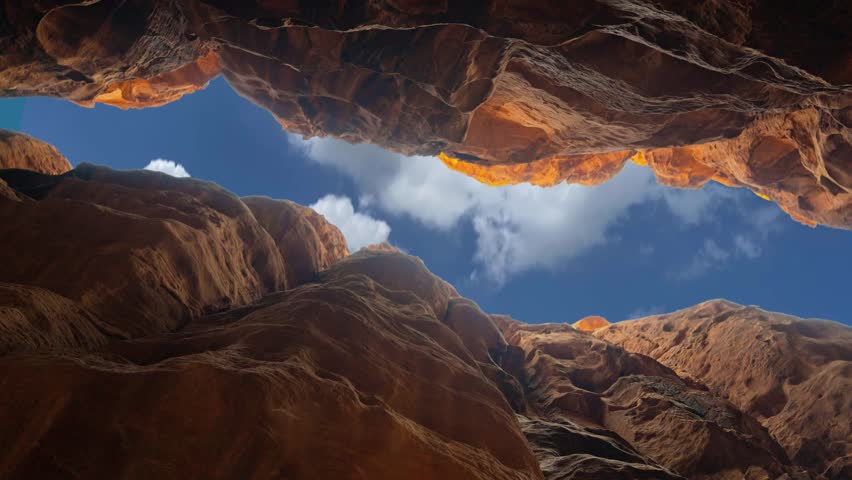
point(344, 379)
point(792, 375)
point(21, 151)
point(304, 238)
point(163, 250)
point(156, 326)
point(590, 323)
point(33, 319)
point(397, 272)
point(570, 376)
point(754, 94)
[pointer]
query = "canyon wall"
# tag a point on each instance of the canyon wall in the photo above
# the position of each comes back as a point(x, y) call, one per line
point(159, 326)
point(748, 93)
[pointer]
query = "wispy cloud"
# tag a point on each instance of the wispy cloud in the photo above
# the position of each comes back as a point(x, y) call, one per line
point(709, 257)
point(642, 312)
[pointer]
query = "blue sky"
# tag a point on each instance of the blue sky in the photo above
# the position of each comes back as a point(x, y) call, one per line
point(622, 249)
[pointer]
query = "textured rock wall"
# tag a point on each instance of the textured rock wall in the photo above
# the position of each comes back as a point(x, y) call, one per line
point(21, 151)
point(753, 93)
point(156, 326)
point(792, 375)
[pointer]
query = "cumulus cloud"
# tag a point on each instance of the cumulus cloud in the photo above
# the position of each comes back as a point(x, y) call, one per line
point(518, 227)
point(359, 229)
point(168, 167)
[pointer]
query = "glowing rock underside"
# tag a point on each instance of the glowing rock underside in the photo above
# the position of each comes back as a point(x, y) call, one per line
point(590, 323)
point(755, 94)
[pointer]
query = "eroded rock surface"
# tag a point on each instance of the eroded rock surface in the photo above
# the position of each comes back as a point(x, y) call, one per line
point(755, 94)
point(308, 242)
point(153, 326)
point(21, 151)
point(792, 375)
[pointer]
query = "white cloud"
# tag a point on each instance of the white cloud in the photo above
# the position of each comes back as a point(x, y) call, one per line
point(710, 256)
point(693, 207)
point(168, 167)
point(518, 227)
point(522, 227)
point(359, 229)
point(646, 312)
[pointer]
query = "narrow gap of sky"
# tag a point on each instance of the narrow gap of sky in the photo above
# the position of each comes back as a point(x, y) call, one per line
point(623, 249)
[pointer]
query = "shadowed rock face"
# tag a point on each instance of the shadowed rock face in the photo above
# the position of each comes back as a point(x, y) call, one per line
point(751, 93)
point(143, 313)
point(304, 238)
point(792, 375)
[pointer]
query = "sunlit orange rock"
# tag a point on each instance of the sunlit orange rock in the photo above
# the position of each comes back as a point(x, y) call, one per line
point(590, 323)
point(161, 89)
point(18, 150)
point(579, 169)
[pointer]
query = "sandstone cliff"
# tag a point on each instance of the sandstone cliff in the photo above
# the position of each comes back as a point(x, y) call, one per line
point(21, 151)
point(753, 93)
point(792, 375)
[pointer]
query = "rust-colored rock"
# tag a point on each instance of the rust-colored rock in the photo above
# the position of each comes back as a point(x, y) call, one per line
point(344, 379)
point(792, 375)
point(755, 94)
point(308, 242)
point(141, 314)
point(161, 89)
point(397, 271)
point(161, 250)
point(24, 152)
point(33, 319)
point(642, 406)
point(590, 323)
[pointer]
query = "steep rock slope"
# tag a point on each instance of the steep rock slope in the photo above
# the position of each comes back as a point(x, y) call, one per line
point(344, 379)
point(304, 238)
point(793, 375)
point(575, 381)
point(21, 151)
point(751, 93)
point(160, 251)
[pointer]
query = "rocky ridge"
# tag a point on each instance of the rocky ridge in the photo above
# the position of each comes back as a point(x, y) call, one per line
point(754, 94)
point(126, 294)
